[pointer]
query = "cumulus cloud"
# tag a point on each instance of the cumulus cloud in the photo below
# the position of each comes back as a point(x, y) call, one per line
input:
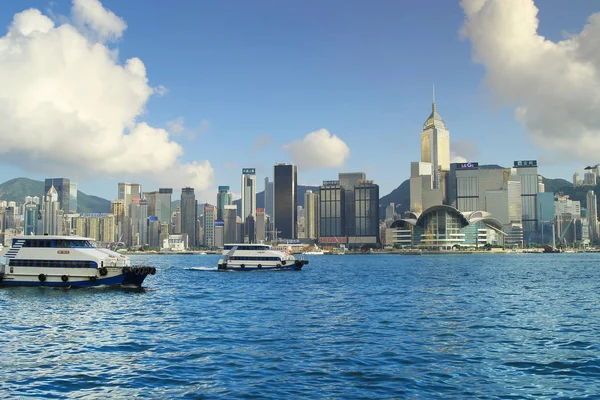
point(91, 16)
point(67, 105)
point(318, 149)
point(555, 86)
point(463, 151)
point(262, 142)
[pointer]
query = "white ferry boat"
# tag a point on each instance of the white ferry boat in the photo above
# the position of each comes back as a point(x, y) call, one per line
point(257, 257)
point(66, 261)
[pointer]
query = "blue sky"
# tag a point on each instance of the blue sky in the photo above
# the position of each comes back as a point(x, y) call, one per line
point(245, 78)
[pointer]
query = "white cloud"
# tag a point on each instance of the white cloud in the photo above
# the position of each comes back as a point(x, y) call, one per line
point(160, 90)
point(555, 86)
point(66, 105)
point(463, 150)
point(91, 15)
point(176, 126)
point(263, 141)
point(318, 149)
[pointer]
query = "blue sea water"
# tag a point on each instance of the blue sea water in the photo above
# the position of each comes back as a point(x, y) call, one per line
point(374, 326)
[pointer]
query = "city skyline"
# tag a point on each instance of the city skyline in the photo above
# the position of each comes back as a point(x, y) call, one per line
point(345, 88)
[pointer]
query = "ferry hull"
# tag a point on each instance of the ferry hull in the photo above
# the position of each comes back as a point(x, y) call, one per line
point(44, 277)
point(297, 266)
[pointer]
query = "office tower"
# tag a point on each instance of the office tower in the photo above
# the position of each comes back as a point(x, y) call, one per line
point(589, 178)
point(153, 231)
point(66, 192)
point(127, 192)
point(332, 216)
point(592, 213)
point(348, 181)
point(52, 218)
point(428, 177)
point(223, 199)
point(261, 225)
point(189, 211)
point(248, 192)
point(176, 220)
point(30, 218)
point(311, 214)
point(219, 234)
point(209, 216)
point(138, 222)
point(527, 171)
point(230, 223)
point(285, 199)
point(159, 203)
point(463, 186)
point(366, 206)
point(117, 208)
point(435, 145)
point(576, 179)
point(268, 197)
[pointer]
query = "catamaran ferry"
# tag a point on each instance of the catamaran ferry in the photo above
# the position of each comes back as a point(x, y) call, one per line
point(257, 257)
point(66, 261)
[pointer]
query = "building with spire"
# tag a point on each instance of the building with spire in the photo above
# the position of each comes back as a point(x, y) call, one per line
point(428, 178)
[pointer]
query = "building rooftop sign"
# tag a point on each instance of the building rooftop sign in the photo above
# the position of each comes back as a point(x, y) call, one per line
point(330, 183)
point(249, 171)
point(525, 163)
point(365, 182)
point(467, 165)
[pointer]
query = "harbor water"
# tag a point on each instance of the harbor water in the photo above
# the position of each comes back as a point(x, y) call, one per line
point(489, 326)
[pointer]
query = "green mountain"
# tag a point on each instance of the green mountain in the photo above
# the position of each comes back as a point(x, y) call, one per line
point(17, 189)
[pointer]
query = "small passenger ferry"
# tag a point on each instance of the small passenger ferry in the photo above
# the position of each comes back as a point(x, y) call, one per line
point(257, 257)
point(66, 261)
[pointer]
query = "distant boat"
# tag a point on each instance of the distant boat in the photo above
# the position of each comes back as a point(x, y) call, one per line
point(257, 257)
point(550, 249)
point(315, 251)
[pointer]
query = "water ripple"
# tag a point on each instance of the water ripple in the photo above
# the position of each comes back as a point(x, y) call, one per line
point(489, 326)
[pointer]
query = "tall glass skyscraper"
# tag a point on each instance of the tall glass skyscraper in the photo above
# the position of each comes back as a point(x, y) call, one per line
point(285, 196)
point(332, 215)
point(248, 193)
point(67, 193)
point(268, 197)
point(189, 211)
point(348, 181)
point(223, 199)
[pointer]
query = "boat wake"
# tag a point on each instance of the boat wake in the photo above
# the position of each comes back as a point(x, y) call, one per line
point(201, 268)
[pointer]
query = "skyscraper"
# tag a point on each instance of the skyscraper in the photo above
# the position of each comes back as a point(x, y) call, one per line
point(248, 203)
point(210, 215)
point(189, 211)
point(592, 214)
point(435, 145)
point(128, 192)
point(366, 206)
point(230, 223)
point(428, 177)
point(268, 197)
point(285, 196)
point(248, 193)
point(66, 193)
point(332, 215)
point(223, 199)
point(348, 181)
point(159, 204)
point(311, 214)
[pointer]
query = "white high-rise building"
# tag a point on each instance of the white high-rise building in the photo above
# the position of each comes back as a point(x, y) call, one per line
point(128, 192)
point(428, 177)
point(248, 193)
